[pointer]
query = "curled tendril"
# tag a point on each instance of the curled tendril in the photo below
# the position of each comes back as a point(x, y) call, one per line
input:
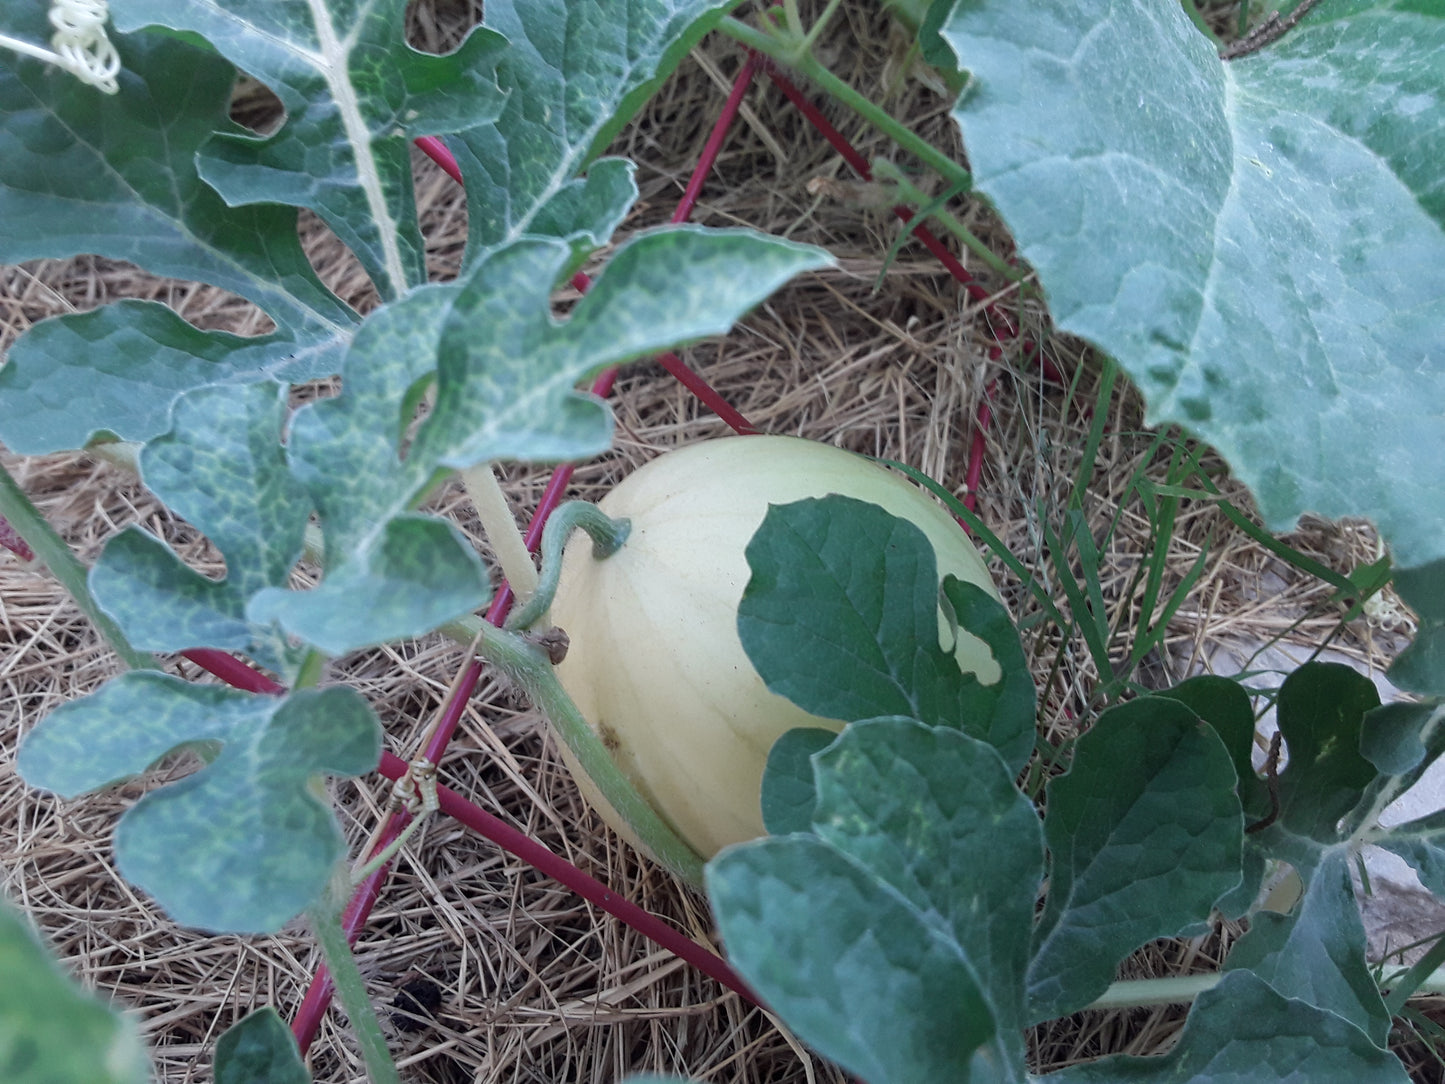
point(79, 42)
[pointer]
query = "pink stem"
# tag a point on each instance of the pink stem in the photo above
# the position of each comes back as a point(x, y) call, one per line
point(237, 673)
point(589, 888)
point(437, 151)
point(11, 540)
point(713, 147)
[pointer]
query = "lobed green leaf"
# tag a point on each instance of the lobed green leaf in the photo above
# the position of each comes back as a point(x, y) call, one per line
point(1145, 833)
point(507, 370)
point(575, 71)
point(506, 388)
point(83, 172)
point(223, 468)
point(241, 845)
point(841, 617)
point(355, 95)
point(1260, 243)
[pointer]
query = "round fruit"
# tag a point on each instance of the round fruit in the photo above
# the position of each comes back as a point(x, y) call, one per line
point(655, 664)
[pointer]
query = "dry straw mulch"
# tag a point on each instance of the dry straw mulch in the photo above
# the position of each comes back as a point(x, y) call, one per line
point(533, 984)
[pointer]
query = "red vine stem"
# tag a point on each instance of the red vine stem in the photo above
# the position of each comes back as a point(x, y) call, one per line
point(238, 674)
point(11, 540)
point(589, 888)
point(1001, 326)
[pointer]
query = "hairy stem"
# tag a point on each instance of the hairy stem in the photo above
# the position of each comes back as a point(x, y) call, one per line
point(1138, 993)
point(607, 536)
point(819, 25)
point(529, 667)
point(52, 551)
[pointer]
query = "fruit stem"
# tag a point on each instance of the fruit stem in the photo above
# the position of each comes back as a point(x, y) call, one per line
point(607, 536)
point(528, 666)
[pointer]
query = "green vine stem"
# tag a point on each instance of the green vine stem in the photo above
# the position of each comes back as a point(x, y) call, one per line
point(52, 551)
point(811, 35)
point(350, 986)
point(607, 536)
point(789, 49)
point(933, 209)
point(528, 665)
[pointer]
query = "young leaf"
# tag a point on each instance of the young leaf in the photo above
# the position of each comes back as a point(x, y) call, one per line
point(51, 1032)
point(894, 939)
point(1416, 735)
point(1144, 834)
point(242, 845)
point(1317, 954)
point(259, 1049)
point(1224, 705)
point(1421, 667)
point(1321, 710)
point(1244, 1031)
point(222, 467)
point(850, 631)
point(83, 172)
point(1260, 242)
point(575, 71)
point(507, 376)
point(1349, 758)
point(789, 793)
point(355, 96)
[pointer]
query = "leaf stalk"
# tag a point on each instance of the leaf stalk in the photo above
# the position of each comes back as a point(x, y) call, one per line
point(53, 552)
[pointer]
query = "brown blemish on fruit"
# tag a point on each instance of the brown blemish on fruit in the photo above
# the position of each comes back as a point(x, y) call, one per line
point(610, 741)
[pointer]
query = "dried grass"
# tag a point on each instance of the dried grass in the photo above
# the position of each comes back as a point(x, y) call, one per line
point(536, 985)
